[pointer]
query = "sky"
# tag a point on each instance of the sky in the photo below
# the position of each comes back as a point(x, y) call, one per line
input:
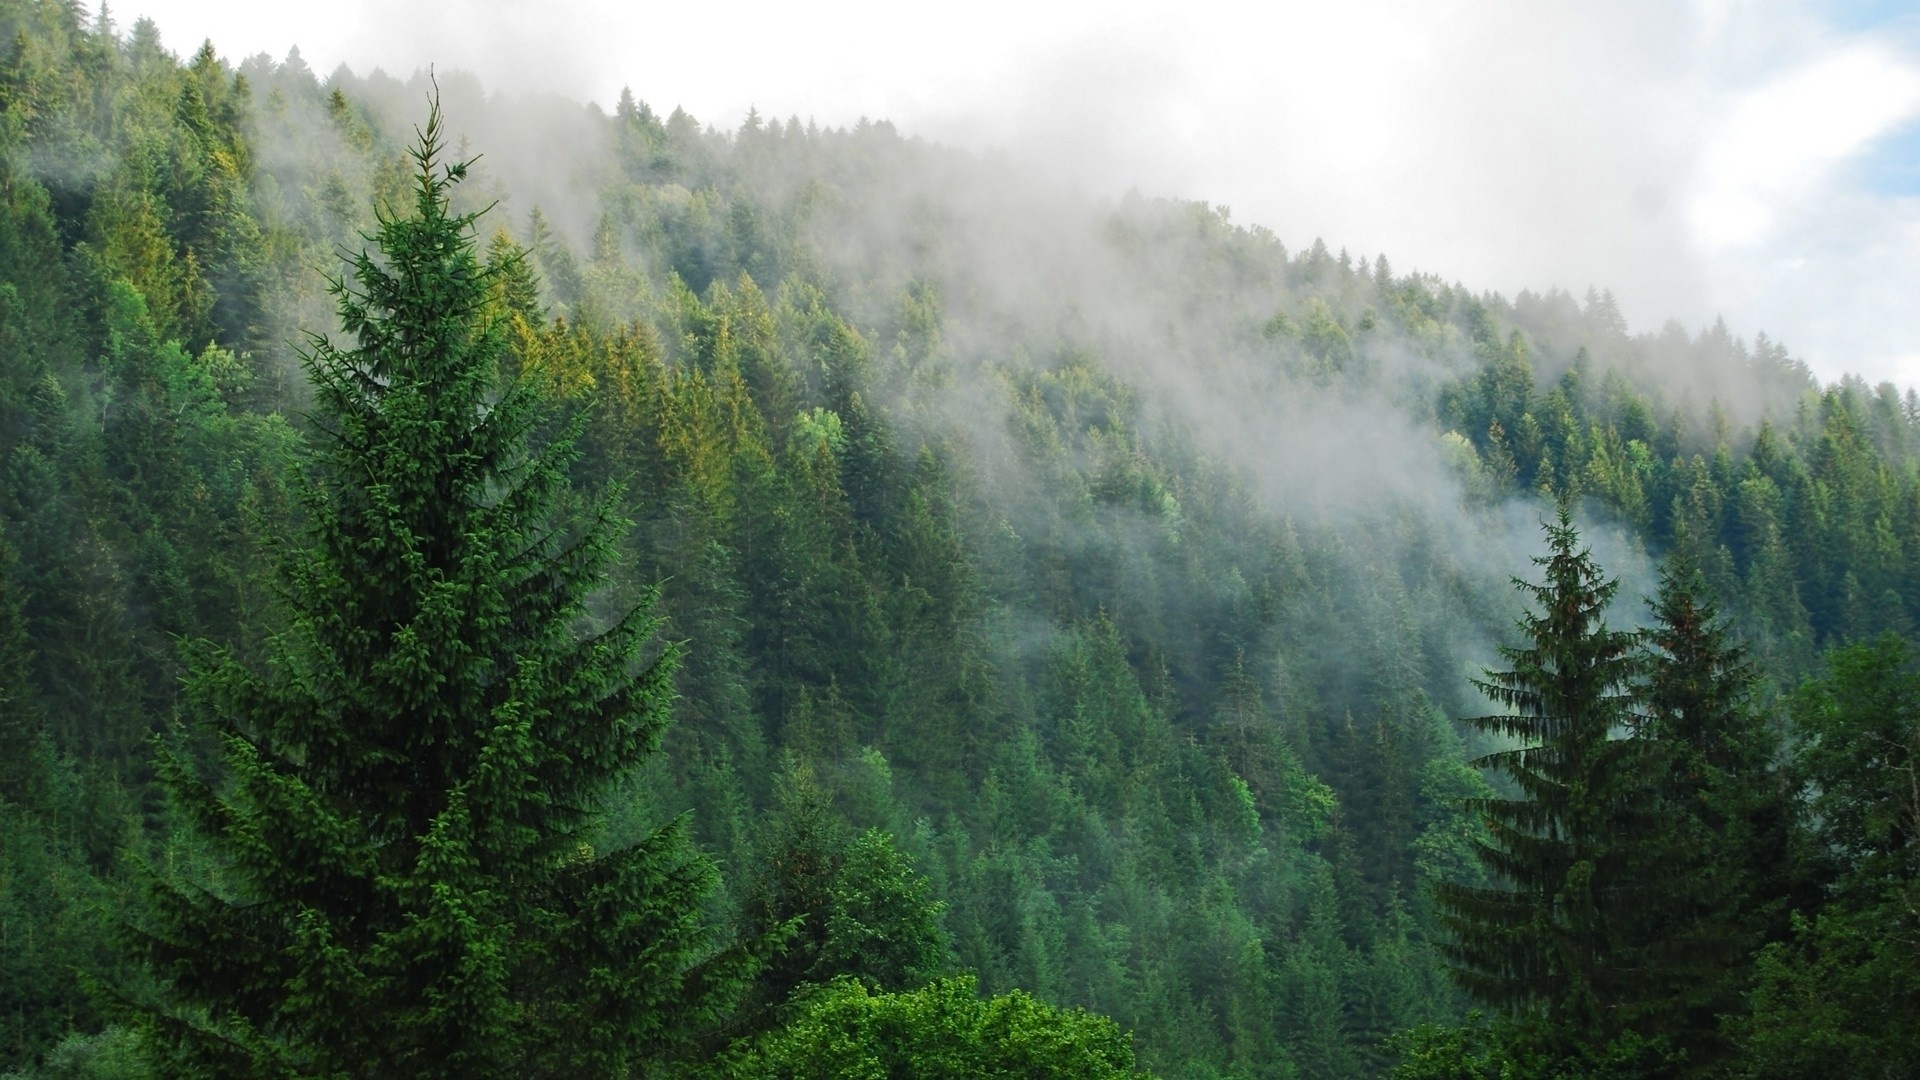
point(1757, 160)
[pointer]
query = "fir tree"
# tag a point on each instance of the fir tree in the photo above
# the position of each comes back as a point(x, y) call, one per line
point(1546, 938)
point(408, 881)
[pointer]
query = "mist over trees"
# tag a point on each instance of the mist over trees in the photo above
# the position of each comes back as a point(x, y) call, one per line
point(1056, 619)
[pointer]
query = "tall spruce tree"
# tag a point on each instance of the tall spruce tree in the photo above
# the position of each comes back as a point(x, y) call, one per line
point(1550, 937)
point(403, 820)
point(1728, 857)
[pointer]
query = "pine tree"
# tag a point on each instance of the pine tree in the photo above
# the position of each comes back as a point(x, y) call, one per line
point(1545, 938)
point(405, 818)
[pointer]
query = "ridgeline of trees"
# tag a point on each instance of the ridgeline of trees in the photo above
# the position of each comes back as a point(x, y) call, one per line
point(788, 607)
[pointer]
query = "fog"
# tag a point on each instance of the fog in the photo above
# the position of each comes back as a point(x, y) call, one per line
point(1177, 299)
point(1752, 160)
point(1027, 195)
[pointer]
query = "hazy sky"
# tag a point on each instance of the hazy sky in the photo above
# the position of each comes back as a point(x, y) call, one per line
point(1758, 160)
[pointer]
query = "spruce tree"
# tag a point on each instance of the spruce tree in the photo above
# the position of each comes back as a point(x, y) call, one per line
point(403, 816)
point(1727, 855)
point(1546, 938)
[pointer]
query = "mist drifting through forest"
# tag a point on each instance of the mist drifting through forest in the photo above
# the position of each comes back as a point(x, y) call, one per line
point(496, 584)
point(1702, 159)
point(1027, 268)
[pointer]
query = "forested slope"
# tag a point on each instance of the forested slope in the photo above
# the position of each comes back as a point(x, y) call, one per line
point(1103, 571)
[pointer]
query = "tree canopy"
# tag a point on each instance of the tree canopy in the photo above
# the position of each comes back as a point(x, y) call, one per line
point(845, 568)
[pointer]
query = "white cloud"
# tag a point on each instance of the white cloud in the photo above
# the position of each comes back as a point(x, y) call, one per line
point(1781, 141)
point(1688, 156)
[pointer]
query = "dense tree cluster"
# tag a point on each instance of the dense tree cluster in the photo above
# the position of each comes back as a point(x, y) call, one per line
point(746, 603)
point(1640, 861)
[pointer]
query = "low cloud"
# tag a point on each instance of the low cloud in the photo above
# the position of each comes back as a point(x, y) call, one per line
point(1698, 159)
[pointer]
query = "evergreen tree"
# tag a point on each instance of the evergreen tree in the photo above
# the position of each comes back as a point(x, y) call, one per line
point(20, 723)
point(883, 926)
point(1842, 996)
point(1546, 937)
point(515, 287)
point(408, 877)
point(1728, 858)
point(853, 907)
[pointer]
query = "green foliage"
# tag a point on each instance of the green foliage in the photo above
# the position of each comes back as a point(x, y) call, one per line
point(1501, 1050)
point(883, 925)
point(1730, 860)
point(1105, 675)
point(56, 916)
point(1860, 749)
point(1838, 997)
point(938, 1032)
point(403, 873)
point(1842, 993)
point(1651, 850)
point(113, 1054)
point(838, 908)
point(21, 725)
point(1662, 859)
point(1546, 935)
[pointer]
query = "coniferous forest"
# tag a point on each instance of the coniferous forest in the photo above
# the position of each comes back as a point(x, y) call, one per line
point(494, 588)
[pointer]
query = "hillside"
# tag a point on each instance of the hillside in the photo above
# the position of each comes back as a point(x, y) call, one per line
point(1108, 572)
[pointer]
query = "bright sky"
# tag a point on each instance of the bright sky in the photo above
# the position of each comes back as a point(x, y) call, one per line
point(1757, 159)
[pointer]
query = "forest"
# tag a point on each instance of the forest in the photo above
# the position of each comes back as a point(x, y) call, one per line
point(492, 587)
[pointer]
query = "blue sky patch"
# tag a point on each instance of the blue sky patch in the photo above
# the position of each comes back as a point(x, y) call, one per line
point(1891, 164)
point(1857, 15)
